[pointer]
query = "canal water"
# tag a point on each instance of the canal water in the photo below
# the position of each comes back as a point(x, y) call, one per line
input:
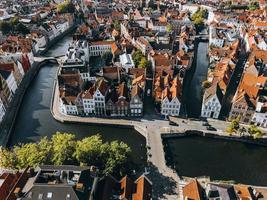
point(220, 159)
point(192, 98)
point(34, 119)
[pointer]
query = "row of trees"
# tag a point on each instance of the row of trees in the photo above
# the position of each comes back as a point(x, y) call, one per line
point(140, 60)
point(63, 148)
point(13, 26)
point(234, 127)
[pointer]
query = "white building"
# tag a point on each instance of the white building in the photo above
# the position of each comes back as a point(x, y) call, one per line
point(100, 47)
point(10, 79)
point(88, 102)
point(126, 61)
point(67, 106)
point(99, 97)
point(213, 38)
point(260, 116)
point(2, 110)
point(170, 104)
point(211, 105)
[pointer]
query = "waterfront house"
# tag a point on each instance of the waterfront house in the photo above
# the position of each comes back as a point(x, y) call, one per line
point(220, 191)
point(16, 69)
point(70, 84)
point(10, 80)
point(171, 98)
point(212, 102)
point(2, 110)
point(5, 93)
point(193, 190)
point(101, 91)
point(136, 102)
point(88, 101)
point(122, 103)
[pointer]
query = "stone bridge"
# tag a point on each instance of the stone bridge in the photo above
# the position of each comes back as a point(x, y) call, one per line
point(55, 59)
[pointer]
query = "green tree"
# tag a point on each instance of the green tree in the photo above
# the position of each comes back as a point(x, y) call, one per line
point(88, 151)
point(137, 56)
point(66, 7)
point(234, 125)
point(117, 25)
point(144, 63)
point(63, 145)
point(107, 57)
point(5, 27)
point(255, 131)
point(8, 159)
point(118, 154)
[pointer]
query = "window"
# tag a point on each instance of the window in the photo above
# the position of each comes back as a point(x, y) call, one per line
point(40, 196)
point(49, 195)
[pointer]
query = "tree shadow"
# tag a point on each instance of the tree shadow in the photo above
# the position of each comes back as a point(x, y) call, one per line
point(162, 185)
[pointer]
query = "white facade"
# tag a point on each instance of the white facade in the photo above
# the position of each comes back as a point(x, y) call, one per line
point(99, 49)
point(126, 61)
point(211, 108)
point(68, 109)
point(99, 100)
point(260, 119)
point(88, 106)
point(2, 110)
point(21, 70)
point(170, 107)
point(11, 82)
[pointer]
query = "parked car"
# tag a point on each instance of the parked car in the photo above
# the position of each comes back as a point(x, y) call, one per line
point(210, 128)
point(173, 123)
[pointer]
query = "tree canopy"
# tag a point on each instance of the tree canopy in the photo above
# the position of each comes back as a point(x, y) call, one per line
point(63, 148)
point(66, 7)
point(199, 16)
point(137, 56)
point(234, 125)
point(13, 26)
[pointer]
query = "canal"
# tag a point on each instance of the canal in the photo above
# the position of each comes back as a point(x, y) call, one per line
point(34, 119)
point(220, 159)
point(192, 97)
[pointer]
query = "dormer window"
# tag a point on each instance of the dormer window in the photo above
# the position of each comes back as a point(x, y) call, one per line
point(49, 195)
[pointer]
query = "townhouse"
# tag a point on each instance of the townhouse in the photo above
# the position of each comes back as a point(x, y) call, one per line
point(98, 48)
point(205, 189)
point(8, 76)
point(2, 110)
point(212, 102)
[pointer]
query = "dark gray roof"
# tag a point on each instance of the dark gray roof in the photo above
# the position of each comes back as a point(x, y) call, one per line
point(226, 192)
point(5, 74)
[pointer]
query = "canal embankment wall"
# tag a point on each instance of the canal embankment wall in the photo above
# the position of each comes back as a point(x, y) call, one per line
point(244, 139)
point(8, 122)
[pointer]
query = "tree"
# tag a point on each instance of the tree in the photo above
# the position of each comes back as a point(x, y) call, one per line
point(5, 27)
point(66, 7)
point(137, 56)
point(31, 154)
point(88, 151)
point(117, 25)
point(107, 57)
point(118, 155)
point(254, 131)
point(144, 63)
point(63, 145)
point(234, 125)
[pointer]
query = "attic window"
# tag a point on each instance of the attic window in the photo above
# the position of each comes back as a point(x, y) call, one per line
point(49, 195)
